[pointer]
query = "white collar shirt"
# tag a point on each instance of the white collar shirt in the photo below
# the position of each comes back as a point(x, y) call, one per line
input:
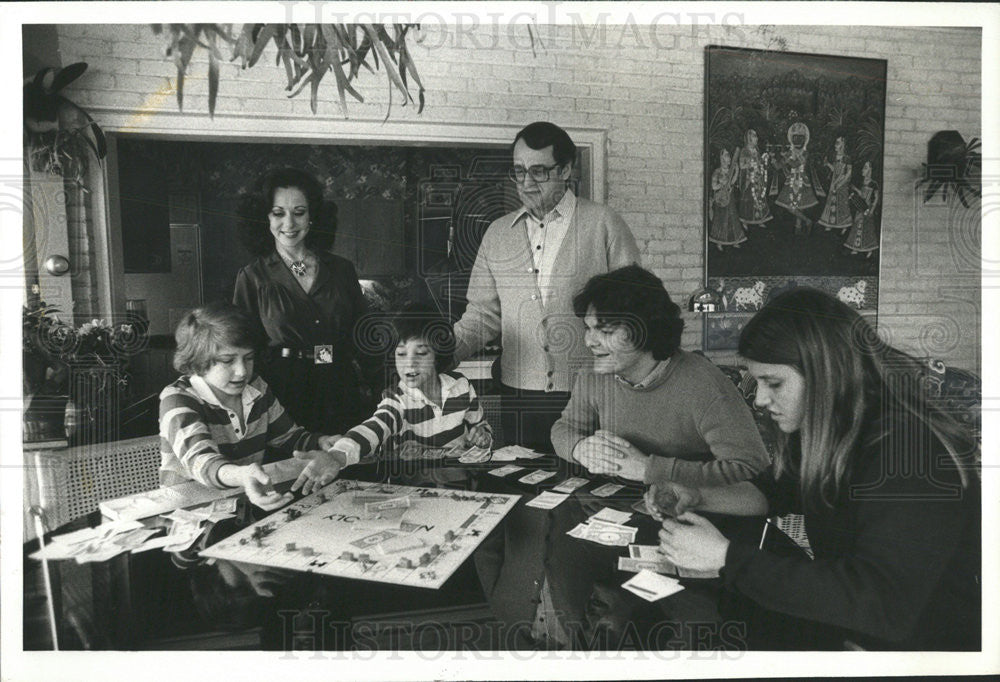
point(545, 236)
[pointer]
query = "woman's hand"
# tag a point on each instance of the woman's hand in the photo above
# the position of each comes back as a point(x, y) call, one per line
point(321, 469)
point(257, 485)
point(479, 436)
point(671, 499)
point(691, 542)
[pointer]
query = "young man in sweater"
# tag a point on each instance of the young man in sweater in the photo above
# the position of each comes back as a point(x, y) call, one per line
point(650, 411)
point(529, 264)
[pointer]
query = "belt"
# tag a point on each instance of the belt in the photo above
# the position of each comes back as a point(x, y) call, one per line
point(320, 355)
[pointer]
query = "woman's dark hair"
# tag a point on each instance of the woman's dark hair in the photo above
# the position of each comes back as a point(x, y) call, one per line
point(542, 134)
point(203, 331)
point(852, 379)
point(421, 321)
point(255, 232)
point(636, 299)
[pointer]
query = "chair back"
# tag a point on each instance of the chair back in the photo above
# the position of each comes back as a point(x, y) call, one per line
point(72, 481)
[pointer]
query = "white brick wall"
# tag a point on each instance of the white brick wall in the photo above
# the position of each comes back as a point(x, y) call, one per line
point(650, 101)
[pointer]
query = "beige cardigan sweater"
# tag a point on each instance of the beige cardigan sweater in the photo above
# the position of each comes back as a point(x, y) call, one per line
point(539, 339)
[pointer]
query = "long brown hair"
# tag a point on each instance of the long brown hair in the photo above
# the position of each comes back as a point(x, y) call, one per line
point(853, 379)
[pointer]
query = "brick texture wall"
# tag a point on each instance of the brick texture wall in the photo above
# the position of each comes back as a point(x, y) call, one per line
point(645, 87)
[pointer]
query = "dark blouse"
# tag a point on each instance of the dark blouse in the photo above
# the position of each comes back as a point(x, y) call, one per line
point(327, 398)
point(292, 318)
point(897, 559)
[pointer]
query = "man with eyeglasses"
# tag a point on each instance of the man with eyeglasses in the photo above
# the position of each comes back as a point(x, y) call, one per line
point(530, 264)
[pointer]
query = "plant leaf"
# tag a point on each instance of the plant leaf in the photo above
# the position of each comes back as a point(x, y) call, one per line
point(264, 35)
point(213, 81)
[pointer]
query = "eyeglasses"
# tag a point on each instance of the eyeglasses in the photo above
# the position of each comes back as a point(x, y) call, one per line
point(537, 173)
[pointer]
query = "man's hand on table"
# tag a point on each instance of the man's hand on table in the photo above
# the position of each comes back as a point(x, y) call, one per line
point(610, 455)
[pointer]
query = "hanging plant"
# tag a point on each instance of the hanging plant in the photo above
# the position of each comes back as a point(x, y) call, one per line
point(57, 132)
point(952, 163)
point(307, 51)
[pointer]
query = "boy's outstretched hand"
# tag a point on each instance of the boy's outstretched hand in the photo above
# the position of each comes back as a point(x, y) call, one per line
point(321, 469)
point(479, 436)
point(257, 485)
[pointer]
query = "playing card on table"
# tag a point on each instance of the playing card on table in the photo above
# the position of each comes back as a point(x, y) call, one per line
point(611, 516)
point(374, 507)
point(662, 565)
point(547, 500)
point(536, 477)
point(607, 490)
point(506, 470)
point(699, 575)
point(652, 586)
point(570, 484)
point(645, 552)
point(609, 535)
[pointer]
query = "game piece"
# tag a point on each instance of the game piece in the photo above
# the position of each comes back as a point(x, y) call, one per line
point(289, 546)
point(347, 556)
point(449, 536)
point(405, 563)
point(307, 551)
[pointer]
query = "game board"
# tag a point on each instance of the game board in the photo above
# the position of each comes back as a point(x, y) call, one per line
point(356, 529)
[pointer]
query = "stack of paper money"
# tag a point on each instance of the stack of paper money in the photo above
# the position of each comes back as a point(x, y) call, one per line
point(96, 544)
point(604, 532)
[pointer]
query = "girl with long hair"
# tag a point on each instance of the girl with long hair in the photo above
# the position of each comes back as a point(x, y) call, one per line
point(886, 481)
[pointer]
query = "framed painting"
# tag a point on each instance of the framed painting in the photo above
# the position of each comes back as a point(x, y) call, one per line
point(793, 176)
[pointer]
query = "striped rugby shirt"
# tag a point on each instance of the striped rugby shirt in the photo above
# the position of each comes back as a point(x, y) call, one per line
point(405, 414)
point(198, 434)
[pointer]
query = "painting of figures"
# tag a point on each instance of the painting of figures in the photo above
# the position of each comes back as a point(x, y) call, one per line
point(793, 159)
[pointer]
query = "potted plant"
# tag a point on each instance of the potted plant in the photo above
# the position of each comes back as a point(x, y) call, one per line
point(83, 369)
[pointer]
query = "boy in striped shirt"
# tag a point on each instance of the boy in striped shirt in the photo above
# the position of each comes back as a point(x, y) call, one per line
point(428, 407)
point(218, 417)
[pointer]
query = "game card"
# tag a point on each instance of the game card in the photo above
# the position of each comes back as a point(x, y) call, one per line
point(652, 586)
point(607, 490)
point(506, 470)
point(570, 484)
point(547, 500)
point(536, 477)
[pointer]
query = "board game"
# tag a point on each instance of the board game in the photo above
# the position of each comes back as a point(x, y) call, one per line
point(396, 534)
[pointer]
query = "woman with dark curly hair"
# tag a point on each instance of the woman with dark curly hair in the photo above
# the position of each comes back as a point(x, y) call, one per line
point(650, 411)
point(308, 302)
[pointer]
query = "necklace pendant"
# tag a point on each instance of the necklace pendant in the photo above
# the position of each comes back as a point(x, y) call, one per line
point(298, 268)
